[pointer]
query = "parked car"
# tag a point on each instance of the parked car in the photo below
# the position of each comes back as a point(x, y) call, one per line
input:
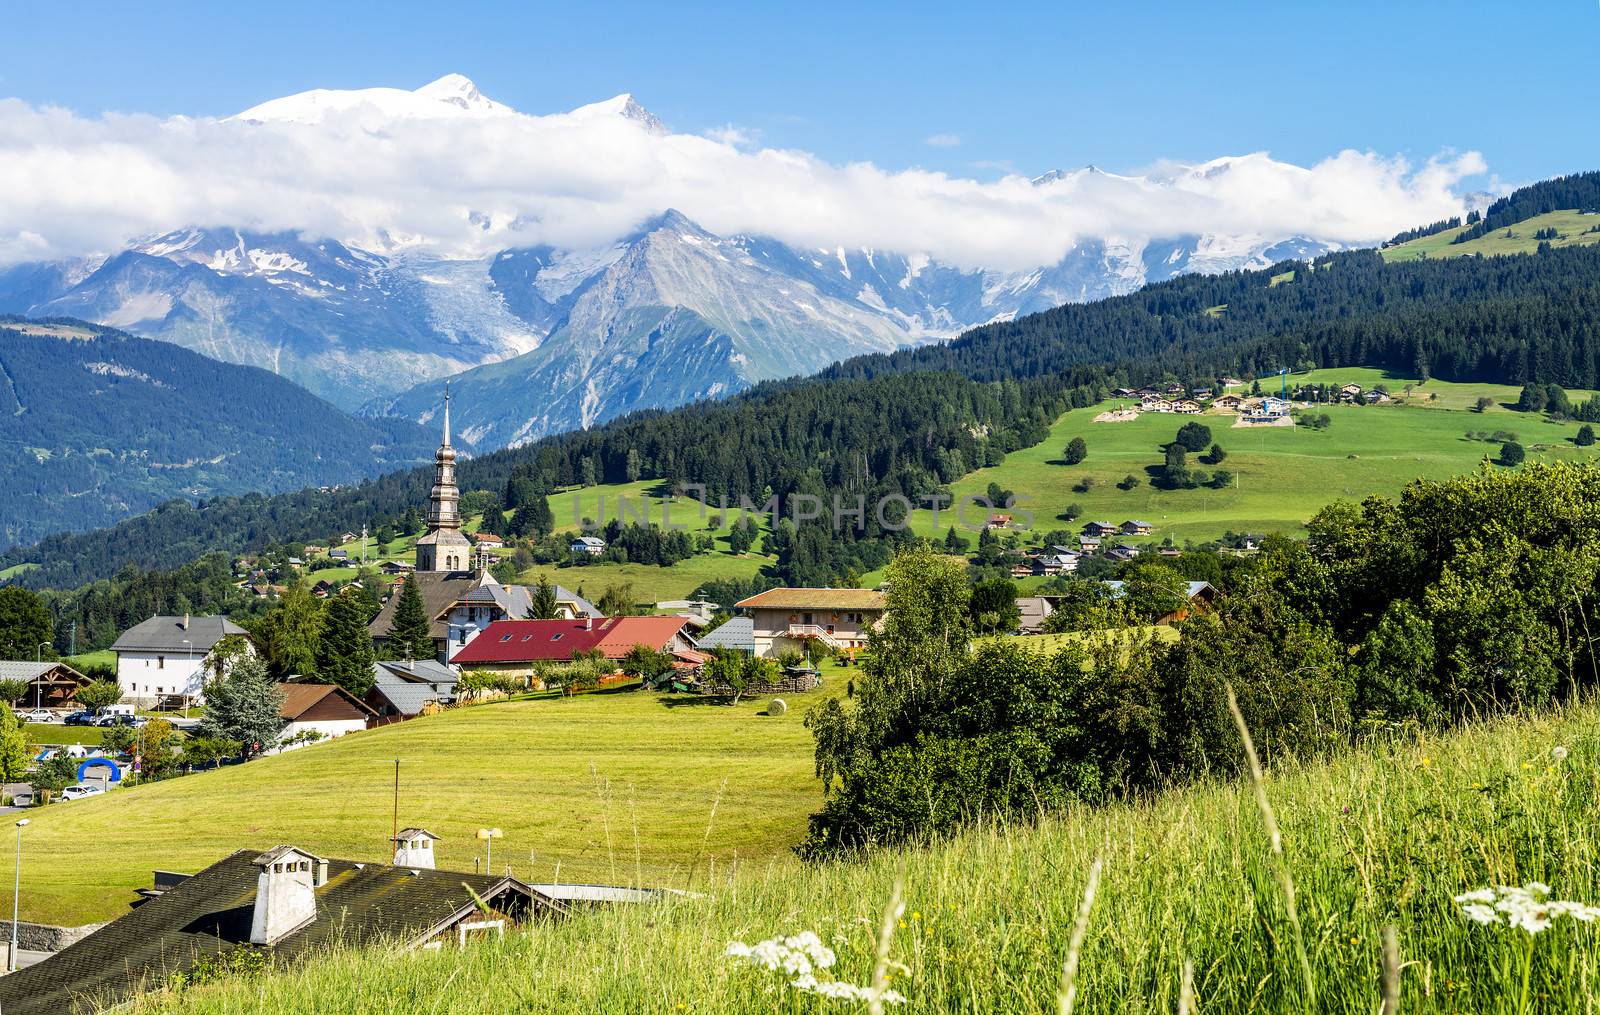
point(38, 715)
point(81, 719)
point(80, 791)
point(122, 720)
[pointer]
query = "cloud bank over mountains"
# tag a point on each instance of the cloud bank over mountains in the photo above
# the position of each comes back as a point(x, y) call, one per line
point(446, 170)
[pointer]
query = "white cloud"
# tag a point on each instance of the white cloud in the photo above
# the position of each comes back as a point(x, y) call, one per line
point(366, 174)
point(942, 140)
point(739, 137)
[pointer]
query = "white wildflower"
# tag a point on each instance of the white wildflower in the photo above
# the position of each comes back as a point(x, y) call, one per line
point(1558, 753)
point(799, 956)
point(1481, 895)
point(1527, 908)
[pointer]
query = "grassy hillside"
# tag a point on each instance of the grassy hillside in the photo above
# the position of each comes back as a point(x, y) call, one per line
point(1284, 473)
point(1574, 227)
point(1372, 840)
point(613, 786)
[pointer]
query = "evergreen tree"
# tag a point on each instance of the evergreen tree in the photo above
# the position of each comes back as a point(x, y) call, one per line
point(533, 519)
point(742, 535)
point(1512, 453)
point(14, 751)
point(344, 653)
point(409, 637)
point(1533, 398)
point(955, 542)
point(1076, 451)
point(246, 706)
point(24, 625)
point(633, 469)
point(1176, 469)
point(1585, 436)
point(542, 605)
point(287, 636)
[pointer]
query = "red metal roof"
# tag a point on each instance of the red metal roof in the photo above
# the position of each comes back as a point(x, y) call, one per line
point(521, 641)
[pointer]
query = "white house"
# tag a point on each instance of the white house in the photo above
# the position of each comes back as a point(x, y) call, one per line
point(325, 709)
point(594, 546)
point(171, 656)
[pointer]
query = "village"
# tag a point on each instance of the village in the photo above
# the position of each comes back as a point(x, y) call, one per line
point(1253, 409)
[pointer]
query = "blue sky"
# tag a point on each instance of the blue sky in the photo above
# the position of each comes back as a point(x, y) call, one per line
point(1029, 87)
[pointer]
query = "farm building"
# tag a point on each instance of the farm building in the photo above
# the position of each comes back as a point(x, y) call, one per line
point(786, 619)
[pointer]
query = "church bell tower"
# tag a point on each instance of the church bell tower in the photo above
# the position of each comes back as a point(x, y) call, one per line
point(444, 548)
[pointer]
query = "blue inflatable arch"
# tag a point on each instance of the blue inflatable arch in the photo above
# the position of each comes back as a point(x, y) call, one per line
point(116, 773)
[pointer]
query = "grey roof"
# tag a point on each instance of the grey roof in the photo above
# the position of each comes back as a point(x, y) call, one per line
point(515, 599)
point(596, 893)
point(10, 670)
point(419, 671)
point(739, 633)
point(167, 634)
point(409, 696)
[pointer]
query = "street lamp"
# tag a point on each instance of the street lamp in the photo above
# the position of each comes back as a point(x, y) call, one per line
point(488, 835)
point(16, 900)
point(38, 681)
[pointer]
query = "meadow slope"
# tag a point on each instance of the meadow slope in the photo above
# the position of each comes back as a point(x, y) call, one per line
point(1384, 836)
point(609, 786)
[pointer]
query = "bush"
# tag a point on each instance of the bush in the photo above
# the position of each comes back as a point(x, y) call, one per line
point(1076, 451)
point(1512, 453)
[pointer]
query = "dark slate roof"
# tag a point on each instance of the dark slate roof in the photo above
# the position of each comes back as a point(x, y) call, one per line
point(167, 634)
point(439, 590)
point(210, 914)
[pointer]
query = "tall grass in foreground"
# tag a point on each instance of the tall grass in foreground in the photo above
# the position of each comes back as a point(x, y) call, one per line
point(1382, 837)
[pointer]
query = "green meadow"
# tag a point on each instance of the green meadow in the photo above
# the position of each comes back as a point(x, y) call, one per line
point(1381, 838)
point(1574, 227)
point(614, 786)
point(1284, 474)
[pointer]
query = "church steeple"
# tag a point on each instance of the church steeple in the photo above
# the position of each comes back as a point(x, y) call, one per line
point(444, 547)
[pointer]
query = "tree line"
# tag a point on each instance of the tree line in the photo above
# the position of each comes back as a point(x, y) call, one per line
point(1454, 602)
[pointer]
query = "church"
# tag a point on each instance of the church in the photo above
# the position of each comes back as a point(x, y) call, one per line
point(459, 594)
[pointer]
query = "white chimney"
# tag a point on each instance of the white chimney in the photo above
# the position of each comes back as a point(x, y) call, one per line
point(413, 848)
point(588, 622)
point(186, 621)
point(286, 898)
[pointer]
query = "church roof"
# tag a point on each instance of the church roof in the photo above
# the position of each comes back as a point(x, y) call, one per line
point(439, 589)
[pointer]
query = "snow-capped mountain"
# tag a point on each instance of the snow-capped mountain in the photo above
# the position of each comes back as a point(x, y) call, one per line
point(546, 338)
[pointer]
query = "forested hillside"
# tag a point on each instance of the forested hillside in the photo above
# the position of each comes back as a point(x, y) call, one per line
point(911, 421)
point(1504, 319)
point(97, 425)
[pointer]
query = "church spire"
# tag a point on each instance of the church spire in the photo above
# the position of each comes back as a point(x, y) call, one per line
point(446, 413)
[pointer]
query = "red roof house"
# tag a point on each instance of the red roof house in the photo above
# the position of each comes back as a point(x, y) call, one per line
point(510, 643)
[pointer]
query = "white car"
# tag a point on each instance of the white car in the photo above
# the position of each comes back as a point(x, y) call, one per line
point(38, 715)
point(80, 791)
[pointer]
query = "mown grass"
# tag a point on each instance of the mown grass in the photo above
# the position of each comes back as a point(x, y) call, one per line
point(585, 786)
point(1385, 836)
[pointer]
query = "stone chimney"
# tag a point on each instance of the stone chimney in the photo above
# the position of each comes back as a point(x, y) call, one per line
point(413, 848)
point(186, 621)
point(286, 898)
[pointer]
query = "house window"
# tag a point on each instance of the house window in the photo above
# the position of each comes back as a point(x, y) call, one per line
point(806, 618)
point(504, 638)
point(161, 662)
point(556, 636)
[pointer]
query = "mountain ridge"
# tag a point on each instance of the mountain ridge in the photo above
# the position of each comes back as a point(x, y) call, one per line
point(97, 425)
